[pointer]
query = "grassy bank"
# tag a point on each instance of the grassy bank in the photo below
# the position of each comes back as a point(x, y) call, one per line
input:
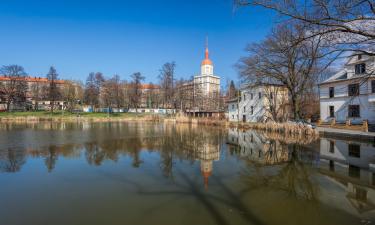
point(67, 116)
point(25, 117)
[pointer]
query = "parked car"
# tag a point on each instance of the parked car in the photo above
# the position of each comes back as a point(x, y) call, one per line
point(304, 123)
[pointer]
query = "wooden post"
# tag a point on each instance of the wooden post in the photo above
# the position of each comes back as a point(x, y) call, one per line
point(348, 123)
point(365, 125)
point(333, 122)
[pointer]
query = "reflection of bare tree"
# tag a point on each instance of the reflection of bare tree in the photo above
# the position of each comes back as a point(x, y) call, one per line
point(51, 158)
point(94, 155)
point(11, 160)
point(293, 177)
point(211, 202)
point(173, 142)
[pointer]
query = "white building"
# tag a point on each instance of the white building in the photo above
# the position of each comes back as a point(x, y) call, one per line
point(350, 93)
point(258, 103)
point(206, 82)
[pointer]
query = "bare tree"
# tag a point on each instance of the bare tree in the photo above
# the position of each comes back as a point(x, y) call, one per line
point(167, 83)
point(14, 88)
point(53, 89)
point(347, 25)
point(136, 92)
point(276, 103)
point(72, 93)
point(118, 94)
point(37, 93)
point(277, 60)
point(94, 82)
point(112, 92)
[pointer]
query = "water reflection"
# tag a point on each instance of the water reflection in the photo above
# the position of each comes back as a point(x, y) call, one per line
point(110, 141)
point(192, 172)
point(350, 165)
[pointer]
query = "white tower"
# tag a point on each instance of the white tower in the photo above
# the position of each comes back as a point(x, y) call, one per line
point(207, 68)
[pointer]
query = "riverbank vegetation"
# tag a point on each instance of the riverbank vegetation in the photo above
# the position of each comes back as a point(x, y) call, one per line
point(68, 116)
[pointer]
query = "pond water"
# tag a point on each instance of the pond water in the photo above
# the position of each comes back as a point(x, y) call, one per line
point(145, 173)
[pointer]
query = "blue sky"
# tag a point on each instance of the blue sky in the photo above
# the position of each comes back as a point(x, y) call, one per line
point(122, 37)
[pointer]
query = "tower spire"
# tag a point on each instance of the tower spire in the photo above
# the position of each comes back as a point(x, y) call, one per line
point(206, 52)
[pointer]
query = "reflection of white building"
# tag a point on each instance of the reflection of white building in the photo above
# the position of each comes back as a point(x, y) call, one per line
point(350, 93)
point(253, 146)
point(348, 158)
point(349, 168)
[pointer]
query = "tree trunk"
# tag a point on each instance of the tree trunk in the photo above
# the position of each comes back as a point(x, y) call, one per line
point(8, 106)
point(295, 107)
point(52, 104)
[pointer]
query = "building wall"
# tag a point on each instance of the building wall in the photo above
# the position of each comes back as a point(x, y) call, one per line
point(342, 100)
point(233, 111)
point(207, 84)
point(253, 108)
point(341, 106)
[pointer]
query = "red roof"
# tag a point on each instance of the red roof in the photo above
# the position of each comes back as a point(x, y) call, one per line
point(32, 79)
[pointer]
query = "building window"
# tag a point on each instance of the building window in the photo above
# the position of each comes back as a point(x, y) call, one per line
point(251, 96)
point(353, 89)
point(331, 111)
point(331, 92)
point(232, 116)
point(354, 150)
point(244, 109)
point(331, 146)
point(233, 106)
point(252, 110)
point(331, 165)
point(244, 97)
point(354, 111)
point(359, 57)
point(360, 68)
point(354, 171)
point(271, 95)
point(260, 95)
point(373, 86)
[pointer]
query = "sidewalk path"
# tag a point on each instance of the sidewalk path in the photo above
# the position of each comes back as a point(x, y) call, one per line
point(352, 134)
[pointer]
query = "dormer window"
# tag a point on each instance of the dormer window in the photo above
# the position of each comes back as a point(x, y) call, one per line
point(359, 57)
point(360, 68)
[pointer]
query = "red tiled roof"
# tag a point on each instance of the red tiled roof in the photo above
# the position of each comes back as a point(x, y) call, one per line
point(32, 79)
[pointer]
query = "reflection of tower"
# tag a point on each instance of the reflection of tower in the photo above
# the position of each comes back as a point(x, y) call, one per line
point(207, 154)
point(206, 169)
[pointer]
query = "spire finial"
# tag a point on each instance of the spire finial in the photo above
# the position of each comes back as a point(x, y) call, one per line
point(206, 52)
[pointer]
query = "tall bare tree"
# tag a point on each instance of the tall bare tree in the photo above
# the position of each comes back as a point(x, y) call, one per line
point(136, 91)
point(93, 84)
point(166, 77)
point(37, 93)
point(14, 88)
point(72, 93)
point(277, 60)
point(54, 93)
point(347, 25)
point(112, 93)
